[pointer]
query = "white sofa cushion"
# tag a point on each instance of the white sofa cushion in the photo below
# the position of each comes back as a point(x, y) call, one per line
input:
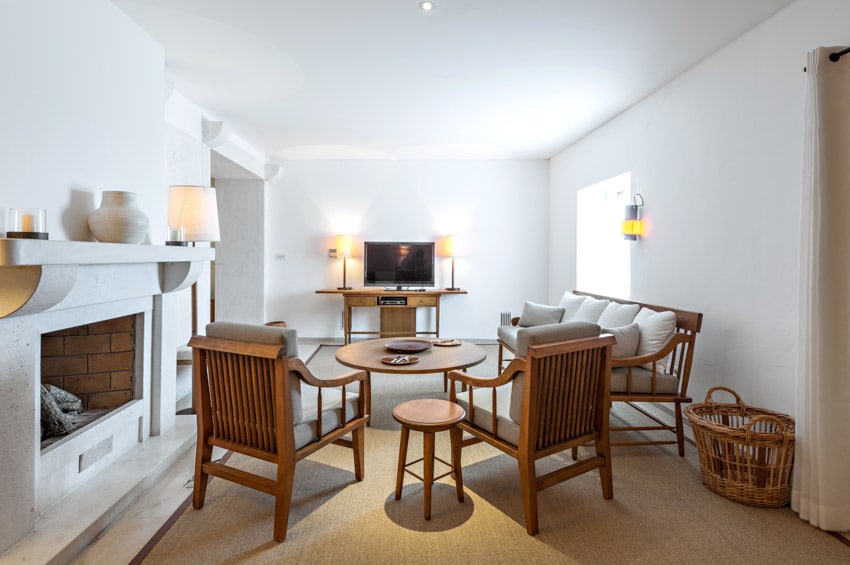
point(534, 314)
point(642, 381)
point(617, 315)
point(590, 310)
point(570, 303)
point(627, 340)
point(655, 329)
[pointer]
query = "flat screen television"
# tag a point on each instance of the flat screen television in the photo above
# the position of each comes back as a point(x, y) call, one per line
point(398, 264)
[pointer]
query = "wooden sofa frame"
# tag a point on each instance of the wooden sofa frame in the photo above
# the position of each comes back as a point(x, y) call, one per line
point(680, 350)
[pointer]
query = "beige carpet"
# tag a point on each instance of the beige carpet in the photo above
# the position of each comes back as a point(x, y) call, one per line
point(661, 513)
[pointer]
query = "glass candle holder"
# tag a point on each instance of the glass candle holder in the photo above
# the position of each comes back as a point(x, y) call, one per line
point(27, 223)
point(176, 236)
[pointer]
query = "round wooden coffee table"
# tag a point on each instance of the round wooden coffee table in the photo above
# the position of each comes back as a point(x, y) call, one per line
point(429, 415)
point(366, 355)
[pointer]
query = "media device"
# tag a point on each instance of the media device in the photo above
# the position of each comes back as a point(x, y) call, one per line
point(398, 264)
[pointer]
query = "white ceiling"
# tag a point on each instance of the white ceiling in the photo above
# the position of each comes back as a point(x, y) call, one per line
point(305, 79)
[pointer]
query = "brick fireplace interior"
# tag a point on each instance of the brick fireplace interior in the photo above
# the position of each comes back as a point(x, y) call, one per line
point(95, 362)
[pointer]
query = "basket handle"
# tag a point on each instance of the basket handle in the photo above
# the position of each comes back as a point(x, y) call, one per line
point(710, 400)
point(768, 418)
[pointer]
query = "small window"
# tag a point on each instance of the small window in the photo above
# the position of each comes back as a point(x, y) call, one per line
point(602, 258)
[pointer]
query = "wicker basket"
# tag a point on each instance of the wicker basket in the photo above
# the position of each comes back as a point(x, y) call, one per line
point(746, 454)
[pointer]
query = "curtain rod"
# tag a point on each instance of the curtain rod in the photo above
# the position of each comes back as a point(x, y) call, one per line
point(835, 56)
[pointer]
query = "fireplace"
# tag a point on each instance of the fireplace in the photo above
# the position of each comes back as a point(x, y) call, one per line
point(56, 290)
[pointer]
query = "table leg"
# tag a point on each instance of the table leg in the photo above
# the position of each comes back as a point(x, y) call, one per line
point(402, 461)
point(455, 434)
point(368, 400)
point(428, 462)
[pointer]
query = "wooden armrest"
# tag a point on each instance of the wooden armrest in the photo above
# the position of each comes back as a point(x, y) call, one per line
point(515, 366)
point(298, 367)
point(667, 349)
point(515, 321)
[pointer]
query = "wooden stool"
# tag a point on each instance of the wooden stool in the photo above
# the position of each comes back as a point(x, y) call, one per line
point(429, 416)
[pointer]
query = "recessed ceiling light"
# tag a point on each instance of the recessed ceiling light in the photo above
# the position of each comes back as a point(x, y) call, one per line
point(426, 6)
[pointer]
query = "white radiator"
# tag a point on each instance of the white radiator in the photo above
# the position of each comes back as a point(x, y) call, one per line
point(506, 319)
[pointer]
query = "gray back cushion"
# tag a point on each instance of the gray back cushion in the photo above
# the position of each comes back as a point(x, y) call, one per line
point(272, 335)
point(256, 333)
point(551, 333)
point(538, 336)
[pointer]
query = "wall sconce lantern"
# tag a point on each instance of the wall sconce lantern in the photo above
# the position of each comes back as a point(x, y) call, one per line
point(343, 249)
point(633, 224)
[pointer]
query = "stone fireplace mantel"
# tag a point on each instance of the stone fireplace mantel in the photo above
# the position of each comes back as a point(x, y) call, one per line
point(47, 286)
point(36, 275)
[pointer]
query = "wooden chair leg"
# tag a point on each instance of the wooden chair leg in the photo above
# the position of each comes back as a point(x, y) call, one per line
point(203, 454)
point(603, 448)
point(358, 446)
point(445, 381)
point(528, 485)
point(283, 497)
point(680, 431)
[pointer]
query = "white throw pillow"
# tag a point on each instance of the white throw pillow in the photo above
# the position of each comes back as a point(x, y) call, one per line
point(617, 315)
point(627, 340)
point(534, 314)
point(590, 310)
point(570, 303)
point(655, 329)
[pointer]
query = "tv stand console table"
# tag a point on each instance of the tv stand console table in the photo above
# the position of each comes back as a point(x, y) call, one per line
point(398, 309)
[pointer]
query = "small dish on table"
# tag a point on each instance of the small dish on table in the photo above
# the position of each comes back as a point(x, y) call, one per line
point(399, 359)
point(441, 342)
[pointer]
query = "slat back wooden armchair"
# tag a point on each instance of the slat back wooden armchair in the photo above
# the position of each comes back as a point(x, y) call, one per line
point(559, 400)
point(248, 398)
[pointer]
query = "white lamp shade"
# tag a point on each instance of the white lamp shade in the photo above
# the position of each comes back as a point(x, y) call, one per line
point(343, 246)
point(194, 209)
point(451, 246)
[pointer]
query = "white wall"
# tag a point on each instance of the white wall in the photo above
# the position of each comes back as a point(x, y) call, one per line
point(717, 156)
point(81, 112)
point(81, 108)
point(500, 207)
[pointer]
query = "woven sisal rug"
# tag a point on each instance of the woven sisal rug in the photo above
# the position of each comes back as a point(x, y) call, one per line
point(661, 513)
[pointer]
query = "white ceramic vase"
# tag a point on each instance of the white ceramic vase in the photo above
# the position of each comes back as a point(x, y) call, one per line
point(118, 220)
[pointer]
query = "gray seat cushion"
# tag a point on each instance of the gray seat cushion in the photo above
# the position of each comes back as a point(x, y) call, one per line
point(507, 335)
point(507, 429)
point(305, 429)
point(642, 381)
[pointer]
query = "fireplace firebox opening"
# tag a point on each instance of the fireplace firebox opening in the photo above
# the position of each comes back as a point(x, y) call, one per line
point(94, 362)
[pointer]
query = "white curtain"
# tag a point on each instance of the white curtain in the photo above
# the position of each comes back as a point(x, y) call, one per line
point(821, 490)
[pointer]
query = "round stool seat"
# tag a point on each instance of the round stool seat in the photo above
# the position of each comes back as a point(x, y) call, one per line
point(428, 414)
